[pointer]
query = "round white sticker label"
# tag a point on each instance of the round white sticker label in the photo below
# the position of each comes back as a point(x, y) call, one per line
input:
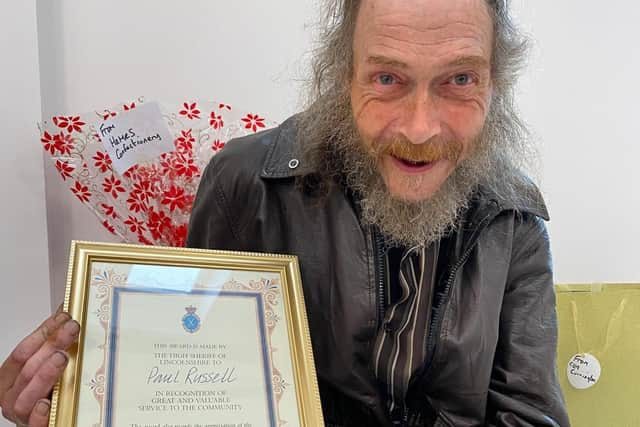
point(583, 371)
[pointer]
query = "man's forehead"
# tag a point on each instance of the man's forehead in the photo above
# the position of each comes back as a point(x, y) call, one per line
point(426, 14)
point(433, 27)
point(422, 8)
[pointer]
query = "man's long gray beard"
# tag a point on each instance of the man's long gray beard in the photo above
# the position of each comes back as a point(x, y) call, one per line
point(410, 223)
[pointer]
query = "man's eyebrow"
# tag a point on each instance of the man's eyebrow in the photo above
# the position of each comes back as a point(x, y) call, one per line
point(470, 61)
point(383, 60)
point(475, 61)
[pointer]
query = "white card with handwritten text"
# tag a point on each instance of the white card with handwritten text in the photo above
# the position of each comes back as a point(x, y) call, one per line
point(136, 136)
point(583, 371)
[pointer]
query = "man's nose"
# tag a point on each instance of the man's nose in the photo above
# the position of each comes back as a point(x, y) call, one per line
point(422, 120)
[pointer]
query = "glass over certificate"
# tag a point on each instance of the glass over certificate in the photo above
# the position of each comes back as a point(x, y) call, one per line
point(186, 338)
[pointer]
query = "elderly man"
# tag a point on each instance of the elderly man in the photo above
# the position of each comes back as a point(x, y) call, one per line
point(423, 250)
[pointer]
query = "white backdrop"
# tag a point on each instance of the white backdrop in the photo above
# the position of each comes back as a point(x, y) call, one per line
point(579, 95)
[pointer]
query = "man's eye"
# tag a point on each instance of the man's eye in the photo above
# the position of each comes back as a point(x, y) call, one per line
point(386, 79)
point(462, 80)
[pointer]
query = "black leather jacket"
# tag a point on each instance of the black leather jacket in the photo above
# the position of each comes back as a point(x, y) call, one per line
point(493, 336)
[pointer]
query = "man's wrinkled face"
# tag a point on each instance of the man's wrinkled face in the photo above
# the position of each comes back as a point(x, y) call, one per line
point(421, 88)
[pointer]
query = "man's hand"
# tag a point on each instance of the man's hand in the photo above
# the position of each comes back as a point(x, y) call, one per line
point(33, 368)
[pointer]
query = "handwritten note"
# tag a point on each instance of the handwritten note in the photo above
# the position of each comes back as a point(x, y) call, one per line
point(583, 371)
point(135, 136)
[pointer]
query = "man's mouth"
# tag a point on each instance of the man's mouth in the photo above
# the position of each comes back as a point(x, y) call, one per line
point(412, 163)
point(413, 166)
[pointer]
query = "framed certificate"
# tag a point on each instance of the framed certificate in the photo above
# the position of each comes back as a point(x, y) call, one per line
point(186, 338)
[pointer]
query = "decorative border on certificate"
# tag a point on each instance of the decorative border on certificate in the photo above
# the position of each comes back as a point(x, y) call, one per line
point(186, 337)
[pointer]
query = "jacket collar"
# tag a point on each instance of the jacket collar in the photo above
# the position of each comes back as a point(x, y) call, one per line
point(284, 160)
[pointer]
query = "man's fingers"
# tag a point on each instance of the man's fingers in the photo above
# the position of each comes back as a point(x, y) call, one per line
point(40, 414)
point(41, 385)
point(27, 348)
point(43, 332)
point(66, 335)
point(63, 338)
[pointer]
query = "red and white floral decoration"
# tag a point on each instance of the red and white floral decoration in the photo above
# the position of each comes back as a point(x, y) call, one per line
point(151, 202)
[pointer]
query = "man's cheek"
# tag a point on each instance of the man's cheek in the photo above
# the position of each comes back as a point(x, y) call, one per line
point(469, 147)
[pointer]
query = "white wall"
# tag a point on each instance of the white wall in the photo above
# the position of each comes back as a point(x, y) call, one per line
point(581, 97)
point(24, 298)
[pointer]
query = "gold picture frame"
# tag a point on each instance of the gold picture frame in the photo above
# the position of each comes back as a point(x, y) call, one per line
point(140, 358)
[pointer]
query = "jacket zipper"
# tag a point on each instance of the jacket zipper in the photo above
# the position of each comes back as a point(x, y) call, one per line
point(432, 338)
point(378, 253)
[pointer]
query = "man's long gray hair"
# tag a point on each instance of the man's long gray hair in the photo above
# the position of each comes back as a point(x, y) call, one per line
point(329, 139)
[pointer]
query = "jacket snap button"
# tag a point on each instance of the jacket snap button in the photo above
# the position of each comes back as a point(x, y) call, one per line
point(388, 326)
point(294, 163)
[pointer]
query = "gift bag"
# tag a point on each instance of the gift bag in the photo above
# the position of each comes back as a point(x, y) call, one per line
point(599, 353)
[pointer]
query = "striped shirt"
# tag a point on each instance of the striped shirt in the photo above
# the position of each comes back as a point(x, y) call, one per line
point(400, 347)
